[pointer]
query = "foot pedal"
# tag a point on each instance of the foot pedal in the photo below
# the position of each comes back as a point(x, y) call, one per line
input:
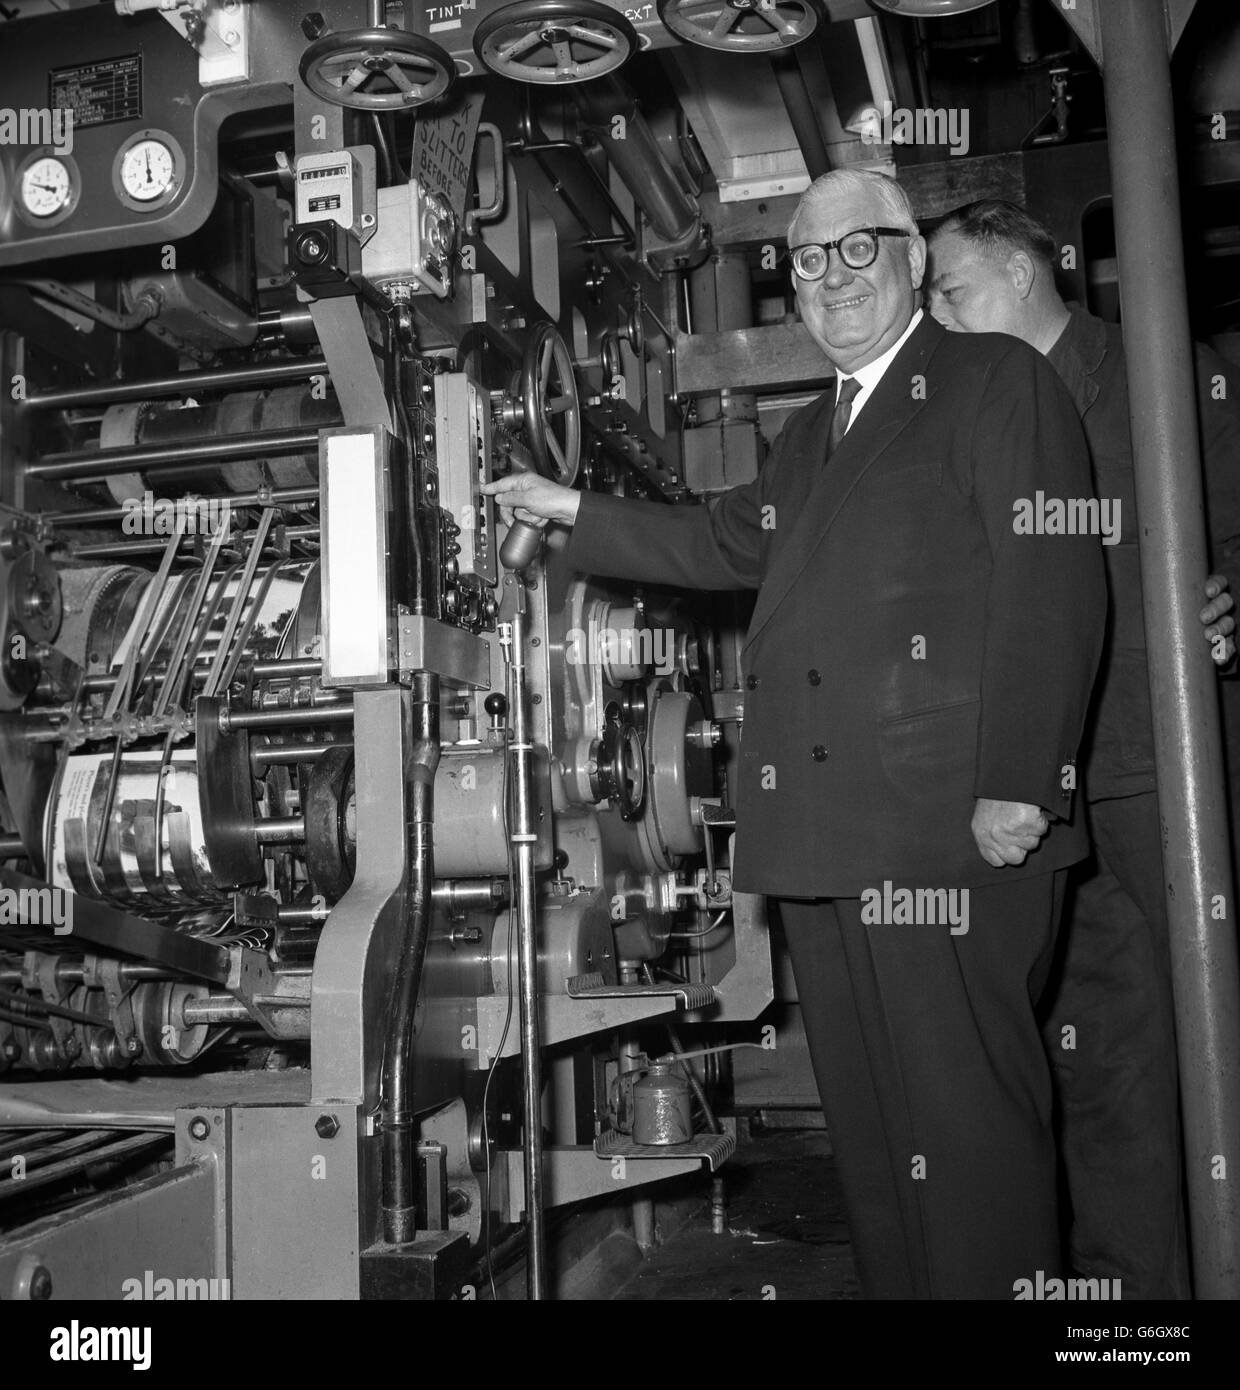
point(716, 1149)
point(593, 986)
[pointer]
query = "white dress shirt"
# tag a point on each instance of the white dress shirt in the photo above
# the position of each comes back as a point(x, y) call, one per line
point(872, 373)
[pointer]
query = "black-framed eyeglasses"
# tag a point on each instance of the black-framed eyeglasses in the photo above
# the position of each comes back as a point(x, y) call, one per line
point(857, 249)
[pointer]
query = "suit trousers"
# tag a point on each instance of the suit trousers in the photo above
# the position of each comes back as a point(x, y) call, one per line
point(1115, 1073)
point(936, 1087)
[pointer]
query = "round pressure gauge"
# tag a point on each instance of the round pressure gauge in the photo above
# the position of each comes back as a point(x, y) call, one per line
point(47, 188)
point(149, 171)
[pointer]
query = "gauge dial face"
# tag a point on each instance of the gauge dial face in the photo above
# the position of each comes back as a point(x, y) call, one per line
point(46, 187)
point(148, 171)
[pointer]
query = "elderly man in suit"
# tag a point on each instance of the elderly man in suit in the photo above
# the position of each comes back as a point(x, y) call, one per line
point(992, 271)
point(917, 668)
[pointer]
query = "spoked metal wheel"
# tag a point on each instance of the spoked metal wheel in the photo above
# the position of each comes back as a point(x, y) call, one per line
point(742, 26)
point(377, 69)
point(551, 410)
point(555, 41)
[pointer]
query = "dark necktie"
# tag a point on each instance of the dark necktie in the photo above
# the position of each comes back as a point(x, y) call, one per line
point(843, 413)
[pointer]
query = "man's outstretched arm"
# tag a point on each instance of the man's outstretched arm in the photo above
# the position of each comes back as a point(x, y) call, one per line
point(691, 547)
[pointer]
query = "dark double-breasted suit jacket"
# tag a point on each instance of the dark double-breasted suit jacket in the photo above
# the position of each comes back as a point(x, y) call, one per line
point(910, 649)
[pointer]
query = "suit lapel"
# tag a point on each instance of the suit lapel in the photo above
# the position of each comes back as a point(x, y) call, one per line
point(826, 488)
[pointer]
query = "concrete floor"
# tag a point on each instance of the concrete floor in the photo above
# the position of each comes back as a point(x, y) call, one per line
point(787, 1237)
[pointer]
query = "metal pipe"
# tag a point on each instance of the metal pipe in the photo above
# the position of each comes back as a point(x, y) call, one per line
point(177, 384)
point(279, 753)
point(302, 715)
point(262, 671)
point(76, 974)
point(294, 324)
point(302, 916)
point(280, 830)
point(215, 1008)
point(11, 847)
point(643, 1223)
point(795, 95)
point(223, 1008)
point(120, 549)
point(1188, 750)
point(274, 497)
point(457, 894)
point(639, 161)
point(173, 459)
point(399, 1186)
point(293, 666)
point(523, 839)
point(148, 306)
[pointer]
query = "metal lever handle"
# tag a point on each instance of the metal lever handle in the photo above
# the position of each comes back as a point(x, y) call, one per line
point(520, 546)
point(495, 208)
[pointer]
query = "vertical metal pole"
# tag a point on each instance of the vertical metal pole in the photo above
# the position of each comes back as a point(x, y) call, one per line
point(1188, 750)
point(523, 838)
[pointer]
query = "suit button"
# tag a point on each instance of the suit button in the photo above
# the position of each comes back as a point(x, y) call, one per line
point(819, 753)
point(815, 678)
point(751, 682)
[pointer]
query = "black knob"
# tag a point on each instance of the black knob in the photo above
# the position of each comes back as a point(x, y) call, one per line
point(311, 248)
point(496, 705)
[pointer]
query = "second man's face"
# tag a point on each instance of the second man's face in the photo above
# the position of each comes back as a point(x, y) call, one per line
point(969, 292)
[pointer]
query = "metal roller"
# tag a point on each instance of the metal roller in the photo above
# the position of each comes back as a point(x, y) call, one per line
point(153, 423)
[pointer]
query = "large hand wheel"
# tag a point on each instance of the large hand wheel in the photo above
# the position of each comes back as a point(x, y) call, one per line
point(741, 26)
point(550, 408)
point(555, 41)
point(377, 69)
point(549, 412)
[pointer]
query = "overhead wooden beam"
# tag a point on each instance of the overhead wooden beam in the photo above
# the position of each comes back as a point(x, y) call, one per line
point(933, 189)
point(777, 357)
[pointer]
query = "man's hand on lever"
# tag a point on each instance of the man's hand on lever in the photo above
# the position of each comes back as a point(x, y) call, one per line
point(1216, 620)
point(529, 497)
point(1006, 831)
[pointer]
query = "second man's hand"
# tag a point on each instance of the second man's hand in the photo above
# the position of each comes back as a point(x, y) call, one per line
point(529, 497)
point(1215, 618)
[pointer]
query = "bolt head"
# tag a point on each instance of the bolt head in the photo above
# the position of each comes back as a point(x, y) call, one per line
point(199, 1127)
point(327, 1126)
